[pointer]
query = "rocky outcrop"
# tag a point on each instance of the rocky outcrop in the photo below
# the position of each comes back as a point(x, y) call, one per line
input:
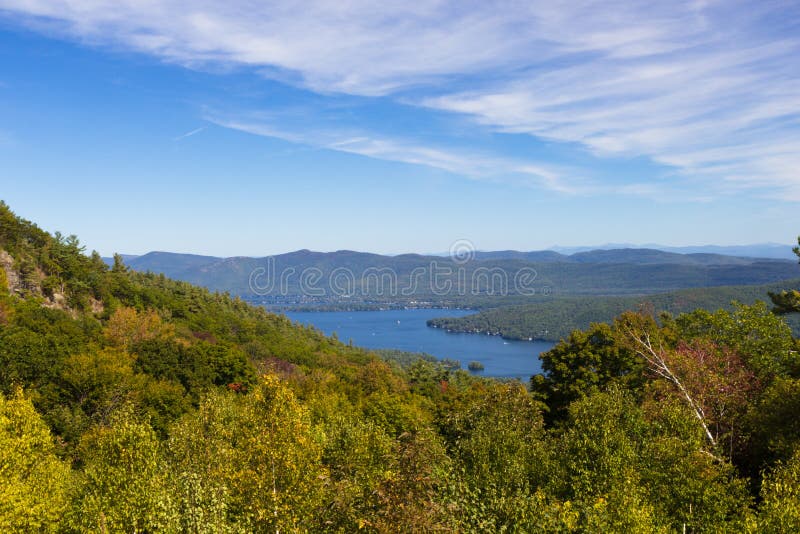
point(11, 275)
point(11, 280)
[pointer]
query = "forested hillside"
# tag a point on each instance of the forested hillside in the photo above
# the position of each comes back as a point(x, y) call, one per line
point(357, 280)
point(130, 402)
point(553, 319)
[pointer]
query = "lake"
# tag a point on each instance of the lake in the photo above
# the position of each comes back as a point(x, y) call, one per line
point(407, 330)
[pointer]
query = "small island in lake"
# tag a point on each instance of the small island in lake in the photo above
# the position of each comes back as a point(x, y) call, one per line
point(475, 366)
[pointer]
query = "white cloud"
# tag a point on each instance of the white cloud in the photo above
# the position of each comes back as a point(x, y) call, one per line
point(357, 47)
point(372, 145)
point(189, 133)
point(709, 87)
point(471, 164)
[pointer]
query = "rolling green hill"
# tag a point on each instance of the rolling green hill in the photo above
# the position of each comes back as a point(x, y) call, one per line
point(554, 319)
point(356, 279)
point(171, 264)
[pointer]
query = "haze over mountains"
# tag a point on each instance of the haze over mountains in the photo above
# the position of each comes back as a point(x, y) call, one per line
point(485, 280)
point(757, 250)
point(627, 255)
point(555, 253)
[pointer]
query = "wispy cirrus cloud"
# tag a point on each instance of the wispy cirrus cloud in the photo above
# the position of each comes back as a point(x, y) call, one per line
point(189, 133)
point(729, 119)
point(710, 89)
point(470, 164)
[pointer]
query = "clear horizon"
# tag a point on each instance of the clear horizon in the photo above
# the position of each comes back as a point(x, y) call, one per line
point(556, 247)
point(567, 250)
point(228, 129)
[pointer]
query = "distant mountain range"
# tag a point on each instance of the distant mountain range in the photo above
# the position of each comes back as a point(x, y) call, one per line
point(758, 250)
point(639, 256)
point(490, 279)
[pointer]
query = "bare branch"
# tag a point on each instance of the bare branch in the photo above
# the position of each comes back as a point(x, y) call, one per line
point(658, 365)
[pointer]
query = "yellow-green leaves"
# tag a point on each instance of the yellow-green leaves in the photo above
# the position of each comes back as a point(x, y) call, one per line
point(126, 327)
point(128, 486)
point(33, 481)
point(780, 491)
point(266, 461)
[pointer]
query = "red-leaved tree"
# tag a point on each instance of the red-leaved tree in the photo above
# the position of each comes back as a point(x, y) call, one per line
point(712, 380)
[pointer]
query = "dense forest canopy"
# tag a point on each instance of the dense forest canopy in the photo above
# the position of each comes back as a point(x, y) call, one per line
point(131, 402)
point(555, 318)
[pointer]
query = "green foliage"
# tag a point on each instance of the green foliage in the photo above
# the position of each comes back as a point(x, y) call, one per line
point(127, 484)
point(360, 455)
point(629, 468)
point(780, 508)
point(182, 410)
point(773, 423)
point(475, 366)
point(787, 301)
point(759, 336)
point(196, 367)
point(266, 457)
point(34, 483)
point(99, 381)
point(586, 362)
point(601, 438)
point(404, 358)
point(35, 342)
point(683, 481)
point(411, 499)
point(594, 464)
point(119, 264)
point(555, 318)
point(495, 434)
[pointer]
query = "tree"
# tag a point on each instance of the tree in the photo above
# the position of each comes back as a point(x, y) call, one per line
point(33, 481)
point(128, 486)
point(696, 491)
point(119, 264)
point(595, 464)
point(586, 362)
point(712, 381)
point(126, 327)
point(360, 456)
point(780, 508)
point(99, 381)
point(627, 467)
point(496, 435)
point(266, 458)
point(762, 339)
point(409, 500)
point(787, 301)
point(774, 425)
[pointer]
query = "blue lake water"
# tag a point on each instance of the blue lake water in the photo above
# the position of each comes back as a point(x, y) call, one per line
point(407, 330)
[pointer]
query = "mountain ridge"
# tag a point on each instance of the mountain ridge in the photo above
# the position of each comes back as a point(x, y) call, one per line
point(597, 272)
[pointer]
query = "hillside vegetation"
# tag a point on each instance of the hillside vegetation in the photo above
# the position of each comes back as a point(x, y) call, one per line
point(130, 402)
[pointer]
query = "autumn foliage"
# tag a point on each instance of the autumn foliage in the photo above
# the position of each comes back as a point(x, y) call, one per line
point(173, 409)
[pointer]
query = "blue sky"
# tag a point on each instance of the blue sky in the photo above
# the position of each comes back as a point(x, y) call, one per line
point(253, 128)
